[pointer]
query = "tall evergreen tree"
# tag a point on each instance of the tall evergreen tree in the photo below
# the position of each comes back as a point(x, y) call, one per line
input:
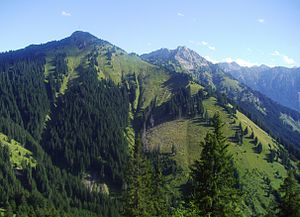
point(289, 204)
point(137, 195)
point(213, 180)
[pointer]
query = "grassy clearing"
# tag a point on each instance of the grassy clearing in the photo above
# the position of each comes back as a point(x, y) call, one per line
point(194, 87)
point(18, 154)
point(187, 135)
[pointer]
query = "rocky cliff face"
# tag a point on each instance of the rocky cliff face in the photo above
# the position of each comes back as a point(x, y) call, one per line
point(181, 58)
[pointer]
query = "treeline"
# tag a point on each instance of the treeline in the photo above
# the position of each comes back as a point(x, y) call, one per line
point(56, 76)
point(183, 104)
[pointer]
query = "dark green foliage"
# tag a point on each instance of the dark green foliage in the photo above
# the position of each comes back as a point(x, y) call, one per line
point(86, 131)
point(284, 155)
point(239, 135)
point(212, 177)
point(255, 141)
point(246, 131)
point(56, 76)
point(47, 190)
point(272, 156)
point(258, 148)
point(289, 203)
point(24, 103)
point(23, 96)
point(183, 104)
point(143, 194)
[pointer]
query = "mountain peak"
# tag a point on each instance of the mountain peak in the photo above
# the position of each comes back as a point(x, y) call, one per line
point(82, 35)
point(82, 39)
point(189, 59)
point(181, 56)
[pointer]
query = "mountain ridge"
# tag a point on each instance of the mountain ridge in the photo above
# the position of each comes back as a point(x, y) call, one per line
point(279, 83)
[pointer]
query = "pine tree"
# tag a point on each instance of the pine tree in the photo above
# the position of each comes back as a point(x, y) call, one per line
point(138, 190)
point(158, 191)
point(255, 141)
point(258, 148)
point(289, 204)
point(212, 177)
point(246, 131)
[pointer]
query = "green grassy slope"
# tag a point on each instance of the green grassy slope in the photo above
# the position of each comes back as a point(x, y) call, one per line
point(151, 78)
point(18, 154)
point(187, 134)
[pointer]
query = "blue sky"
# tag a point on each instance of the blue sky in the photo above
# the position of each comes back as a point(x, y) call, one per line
point(249, 32)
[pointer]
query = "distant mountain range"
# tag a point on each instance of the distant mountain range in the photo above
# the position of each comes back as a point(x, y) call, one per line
point(279, 83)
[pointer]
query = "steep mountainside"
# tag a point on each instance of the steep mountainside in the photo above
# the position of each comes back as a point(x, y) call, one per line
point(279, 83)
point(73, 113)
point(261, 109)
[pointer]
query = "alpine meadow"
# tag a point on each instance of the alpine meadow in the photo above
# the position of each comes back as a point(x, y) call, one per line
point(88, 129)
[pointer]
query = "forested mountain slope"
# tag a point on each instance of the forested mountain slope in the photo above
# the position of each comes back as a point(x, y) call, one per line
point(87, 129)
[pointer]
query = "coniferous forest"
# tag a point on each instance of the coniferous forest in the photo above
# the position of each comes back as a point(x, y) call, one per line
point(89, 130)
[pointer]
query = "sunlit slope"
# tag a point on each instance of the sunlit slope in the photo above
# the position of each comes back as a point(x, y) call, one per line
point(19, 156)
point(185, 136)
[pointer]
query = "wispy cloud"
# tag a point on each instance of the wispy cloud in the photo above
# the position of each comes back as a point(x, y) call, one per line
point(180, 14)
point(240, 61)
point(66, 14)
point(228, 60)
point(211, 48)
point(243, 62)
point(203, 43)
point(261, 20)
point(210, 59)
point(284, 57)
point(275, 53)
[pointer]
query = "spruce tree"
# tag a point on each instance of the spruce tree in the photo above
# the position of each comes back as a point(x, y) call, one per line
point(138, 196)
point(212, 177)
point(289, 204)
point(258, 148)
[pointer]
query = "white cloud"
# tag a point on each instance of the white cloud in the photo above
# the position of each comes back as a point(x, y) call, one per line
point(66, 14)
point(228, 60)
point(211, 48)
point(260, 20)
point(203, 43)
point(275, 53)
point(239, 61)
point(180, 14)
point(210, 59)
point(242, 62)
point(288, 60)
point(285, 58)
